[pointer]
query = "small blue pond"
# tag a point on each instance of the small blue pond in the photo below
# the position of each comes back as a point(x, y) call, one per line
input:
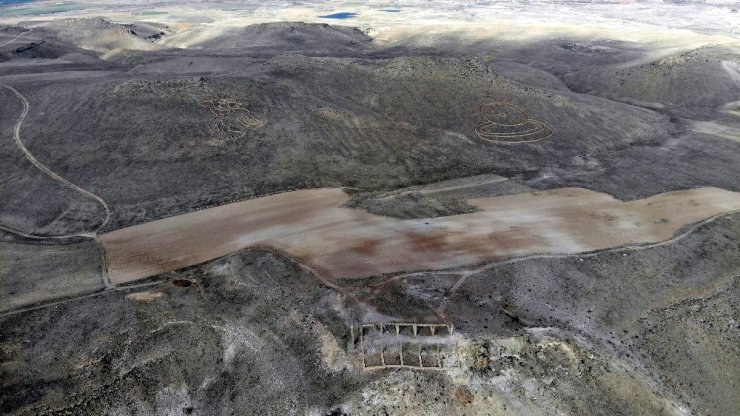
point(390, 10)
point(340, 15)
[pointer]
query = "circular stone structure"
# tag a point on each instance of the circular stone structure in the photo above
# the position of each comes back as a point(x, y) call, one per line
point(509, 124)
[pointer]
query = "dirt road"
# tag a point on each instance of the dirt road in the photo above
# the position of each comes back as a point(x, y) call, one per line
point(14, 39)
point(339, 242)
point(47, 171)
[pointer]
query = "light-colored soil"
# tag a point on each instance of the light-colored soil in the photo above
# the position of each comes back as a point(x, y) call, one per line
point(725, 130)
point(449, 185)
point(339, 242)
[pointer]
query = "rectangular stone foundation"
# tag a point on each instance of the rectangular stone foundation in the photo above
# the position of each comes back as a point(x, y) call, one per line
point(407, 345)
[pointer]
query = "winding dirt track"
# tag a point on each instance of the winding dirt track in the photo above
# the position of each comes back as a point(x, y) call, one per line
point(337, 242)
point(35, 162)
point(53, 175)
point(14, 39)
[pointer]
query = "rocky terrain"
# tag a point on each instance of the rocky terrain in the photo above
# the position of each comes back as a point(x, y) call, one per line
point(107, 125)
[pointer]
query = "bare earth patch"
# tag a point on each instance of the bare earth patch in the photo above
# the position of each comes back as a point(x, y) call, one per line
point(144, 296)
point(339, 242)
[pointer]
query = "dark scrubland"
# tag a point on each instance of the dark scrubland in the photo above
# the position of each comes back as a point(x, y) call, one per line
point(368, 121)
point(253, 332)
point(277, 107)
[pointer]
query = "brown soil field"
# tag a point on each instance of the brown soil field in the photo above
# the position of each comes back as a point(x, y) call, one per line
point(338, 242)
